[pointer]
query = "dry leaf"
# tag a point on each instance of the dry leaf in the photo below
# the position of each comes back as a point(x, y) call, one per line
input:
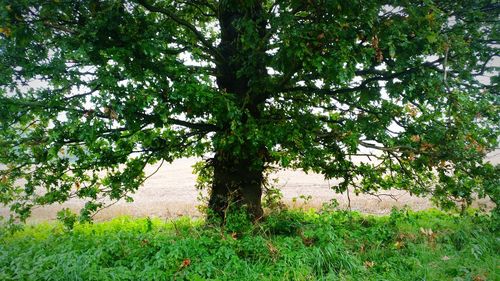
point(411, 156)
point(426, 146)
point(379, 56)
point(369, 264)
point(415, 138)
point(110, 113)
point(5, 31)
point(362, 248)
point(427, 232)
point(375, 42)
point(234, 235)
point(185, 263)
point(479, 278)
point(271, 248)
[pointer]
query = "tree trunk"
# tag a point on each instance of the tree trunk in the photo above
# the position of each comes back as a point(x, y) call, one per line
point(238, 177)
point(237, 183)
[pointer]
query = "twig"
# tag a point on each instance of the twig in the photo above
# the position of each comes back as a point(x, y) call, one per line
point(153, 173)
point(444, 66)
point(348, 199)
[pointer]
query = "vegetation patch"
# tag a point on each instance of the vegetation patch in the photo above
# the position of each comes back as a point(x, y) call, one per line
point(287, 245)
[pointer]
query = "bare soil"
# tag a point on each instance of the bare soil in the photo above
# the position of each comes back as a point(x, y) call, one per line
point(171, 193)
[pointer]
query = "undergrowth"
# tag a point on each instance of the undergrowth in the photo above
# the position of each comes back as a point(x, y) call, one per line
point(287, 245)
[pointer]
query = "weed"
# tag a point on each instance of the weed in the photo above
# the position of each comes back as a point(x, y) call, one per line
point(287, 245)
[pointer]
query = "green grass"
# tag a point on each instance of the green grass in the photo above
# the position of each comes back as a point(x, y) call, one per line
point(291, 245)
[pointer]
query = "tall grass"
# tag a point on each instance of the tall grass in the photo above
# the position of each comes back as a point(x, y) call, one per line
point(289, 245)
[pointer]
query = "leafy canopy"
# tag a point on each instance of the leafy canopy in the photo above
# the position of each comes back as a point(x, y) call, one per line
point(92, 91)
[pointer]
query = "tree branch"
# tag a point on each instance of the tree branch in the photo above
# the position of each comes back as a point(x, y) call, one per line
point(210, 48)
point(380, 76)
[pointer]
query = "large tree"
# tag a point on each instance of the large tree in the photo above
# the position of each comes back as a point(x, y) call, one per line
point(92, 91)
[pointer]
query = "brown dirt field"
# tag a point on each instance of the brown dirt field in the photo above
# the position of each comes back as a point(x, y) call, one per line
point(171, 193)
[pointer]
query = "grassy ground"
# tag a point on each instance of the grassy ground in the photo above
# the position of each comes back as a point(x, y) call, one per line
point(291, 245)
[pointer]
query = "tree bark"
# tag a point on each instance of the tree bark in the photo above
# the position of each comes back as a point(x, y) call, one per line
point(238, 177)
point(237, 183)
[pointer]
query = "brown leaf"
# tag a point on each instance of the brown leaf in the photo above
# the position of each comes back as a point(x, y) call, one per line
point(375, 42)
point(113, 115)
point(379, 56)
point(431, 235)
point(369, 264)
point(6, 31)
point(479, 278)
point(411, 156)
point(234, 235)
point(425, 231)
point(272, 249)
point(185, 263)
point(362, 248)
point(411, 109)
point(415, 138)
point(110, 113)
point(426, 146)
point(479, 148)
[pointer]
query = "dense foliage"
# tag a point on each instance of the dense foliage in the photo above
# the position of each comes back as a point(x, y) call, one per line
point(288, 246)
point(92, 91)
